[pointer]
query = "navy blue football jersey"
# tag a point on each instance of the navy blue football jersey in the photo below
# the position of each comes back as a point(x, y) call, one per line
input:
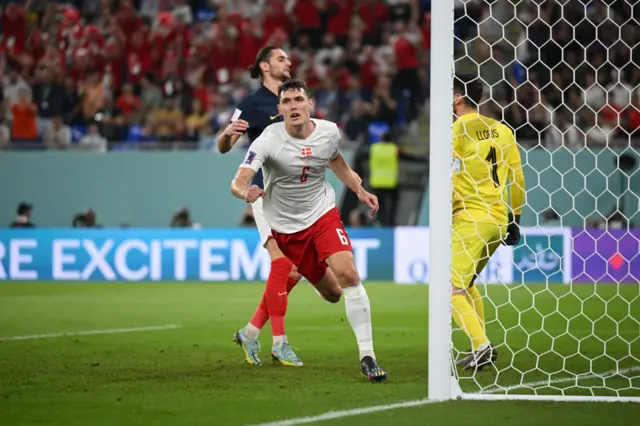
point(260, 109)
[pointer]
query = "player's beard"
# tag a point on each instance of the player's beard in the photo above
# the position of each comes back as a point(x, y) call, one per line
point(282, 76)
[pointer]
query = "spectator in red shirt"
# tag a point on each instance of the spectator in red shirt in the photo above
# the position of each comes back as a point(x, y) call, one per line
point(128, 103)
point(128, 18)
point(138, 59)
point(69, 31)
point(374, 14)
point(35, 49)
point(426, 31)
point(224, 54)
point(113, 63)
point(14, 28)
point(307, 19)
point(406, 43)
point(274, 19)
point(250, 41)
point(339, 14)
point(368, 69)
point(633, 113)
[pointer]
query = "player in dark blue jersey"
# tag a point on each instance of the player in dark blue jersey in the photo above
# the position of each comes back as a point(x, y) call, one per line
point(252, 116)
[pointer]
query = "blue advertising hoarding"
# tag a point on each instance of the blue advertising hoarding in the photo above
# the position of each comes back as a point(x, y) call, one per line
point(400, 255)
point(162, 255)
point(543, 255)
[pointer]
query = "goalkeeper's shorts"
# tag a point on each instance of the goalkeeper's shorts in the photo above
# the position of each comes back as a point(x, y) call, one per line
point(472, 244)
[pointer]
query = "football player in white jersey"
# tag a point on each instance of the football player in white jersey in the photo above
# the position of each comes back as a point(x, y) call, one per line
point(299, 206)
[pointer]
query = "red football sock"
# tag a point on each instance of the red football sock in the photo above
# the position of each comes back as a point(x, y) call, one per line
point(261, 316)
point(276, 294)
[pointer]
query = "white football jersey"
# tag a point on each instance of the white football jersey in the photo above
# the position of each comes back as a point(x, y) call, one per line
point(297, 191)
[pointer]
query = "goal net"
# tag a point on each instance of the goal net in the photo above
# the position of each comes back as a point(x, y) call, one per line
point(562, 307)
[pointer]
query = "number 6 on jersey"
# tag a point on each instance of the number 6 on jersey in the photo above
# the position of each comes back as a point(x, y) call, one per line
point(304, 175)
point(343, 237)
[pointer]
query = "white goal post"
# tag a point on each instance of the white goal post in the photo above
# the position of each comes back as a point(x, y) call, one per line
point(563, 330)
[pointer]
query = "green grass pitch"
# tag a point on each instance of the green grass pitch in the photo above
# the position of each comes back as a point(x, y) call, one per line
point(195, 375)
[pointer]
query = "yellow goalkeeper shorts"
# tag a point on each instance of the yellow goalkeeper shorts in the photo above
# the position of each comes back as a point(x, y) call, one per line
point(473, 243)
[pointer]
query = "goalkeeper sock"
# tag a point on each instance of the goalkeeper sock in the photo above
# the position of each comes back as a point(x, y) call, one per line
point(466, 318)
point(276, 294)
point(478, 303)
point(356, 302)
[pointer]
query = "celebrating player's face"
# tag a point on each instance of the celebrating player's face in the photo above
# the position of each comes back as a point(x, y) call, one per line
point(295, 106)
point(279, 65)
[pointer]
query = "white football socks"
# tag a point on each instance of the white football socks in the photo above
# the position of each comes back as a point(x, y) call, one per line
point(251, 331)
point(279, 340)
point(356, 302)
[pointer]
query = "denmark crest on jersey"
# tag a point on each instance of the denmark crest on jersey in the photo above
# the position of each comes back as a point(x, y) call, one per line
point(306, 151)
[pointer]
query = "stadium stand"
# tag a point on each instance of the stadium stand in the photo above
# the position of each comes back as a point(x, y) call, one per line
point(568, 81)
point(168, 73)
point(113, 70)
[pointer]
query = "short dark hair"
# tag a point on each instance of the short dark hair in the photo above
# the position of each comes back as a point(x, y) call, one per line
point(24, 208)
point(293, 85)
point(263, 56)
point(470, 87)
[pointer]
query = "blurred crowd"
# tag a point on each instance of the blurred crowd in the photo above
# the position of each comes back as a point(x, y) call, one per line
point(99, 74)
point(89, 218)
point(90, 73)
point(560, 72)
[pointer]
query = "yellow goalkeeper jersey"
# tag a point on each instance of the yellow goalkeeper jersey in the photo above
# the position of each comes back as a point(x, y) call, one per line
point(485, 156)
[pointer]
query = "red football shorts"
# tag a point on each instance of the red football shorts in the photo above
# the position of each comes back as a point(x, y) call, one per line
point(308, 249)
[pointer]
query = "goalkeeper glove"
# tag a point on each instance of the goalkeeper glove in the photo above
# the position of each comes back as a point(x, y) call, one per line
point(513, 230)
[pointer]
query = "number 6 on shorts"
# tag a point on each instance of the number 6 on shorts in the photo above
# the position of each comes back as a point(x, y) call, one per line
point(343, 237)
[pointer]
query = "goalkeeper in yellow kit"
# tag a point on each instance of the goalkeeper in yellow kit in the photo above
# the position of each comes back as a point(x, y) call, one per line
point(486, 157)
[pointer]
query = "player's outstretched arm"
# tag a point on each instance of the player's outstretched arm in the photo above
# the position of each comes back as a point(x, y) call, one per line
point(516, 177)
point(352, 181)
point(240, 185)
point(231, 134)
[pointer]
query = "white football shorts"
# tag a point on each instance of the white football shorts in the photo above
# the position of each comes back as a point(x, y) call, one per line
point(263, 227)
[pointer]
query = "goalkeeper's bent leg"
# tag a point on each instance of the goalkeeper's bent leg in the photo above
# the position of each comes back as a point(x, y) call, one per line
point(466, 318)
point(478, 303)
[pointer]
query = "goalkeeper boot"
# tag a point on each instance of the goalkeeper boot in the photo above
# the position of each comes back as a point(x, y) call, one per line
point(480, 358)
point(464, 355)
point(250, 347)
point(371, 370)
point(285, 355)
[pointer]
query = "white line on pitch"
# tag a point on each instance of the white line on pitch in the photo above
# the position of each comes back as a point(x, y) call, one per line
point(331, 415)
point(347, 413)
point(578, 377)
point(91, 332)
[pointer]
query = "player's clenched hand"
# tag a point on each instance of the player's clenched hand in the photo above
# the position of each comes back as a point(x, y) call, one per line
point(370, 200)
point(238, 127)
point(253, 193)
point(513, 231)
